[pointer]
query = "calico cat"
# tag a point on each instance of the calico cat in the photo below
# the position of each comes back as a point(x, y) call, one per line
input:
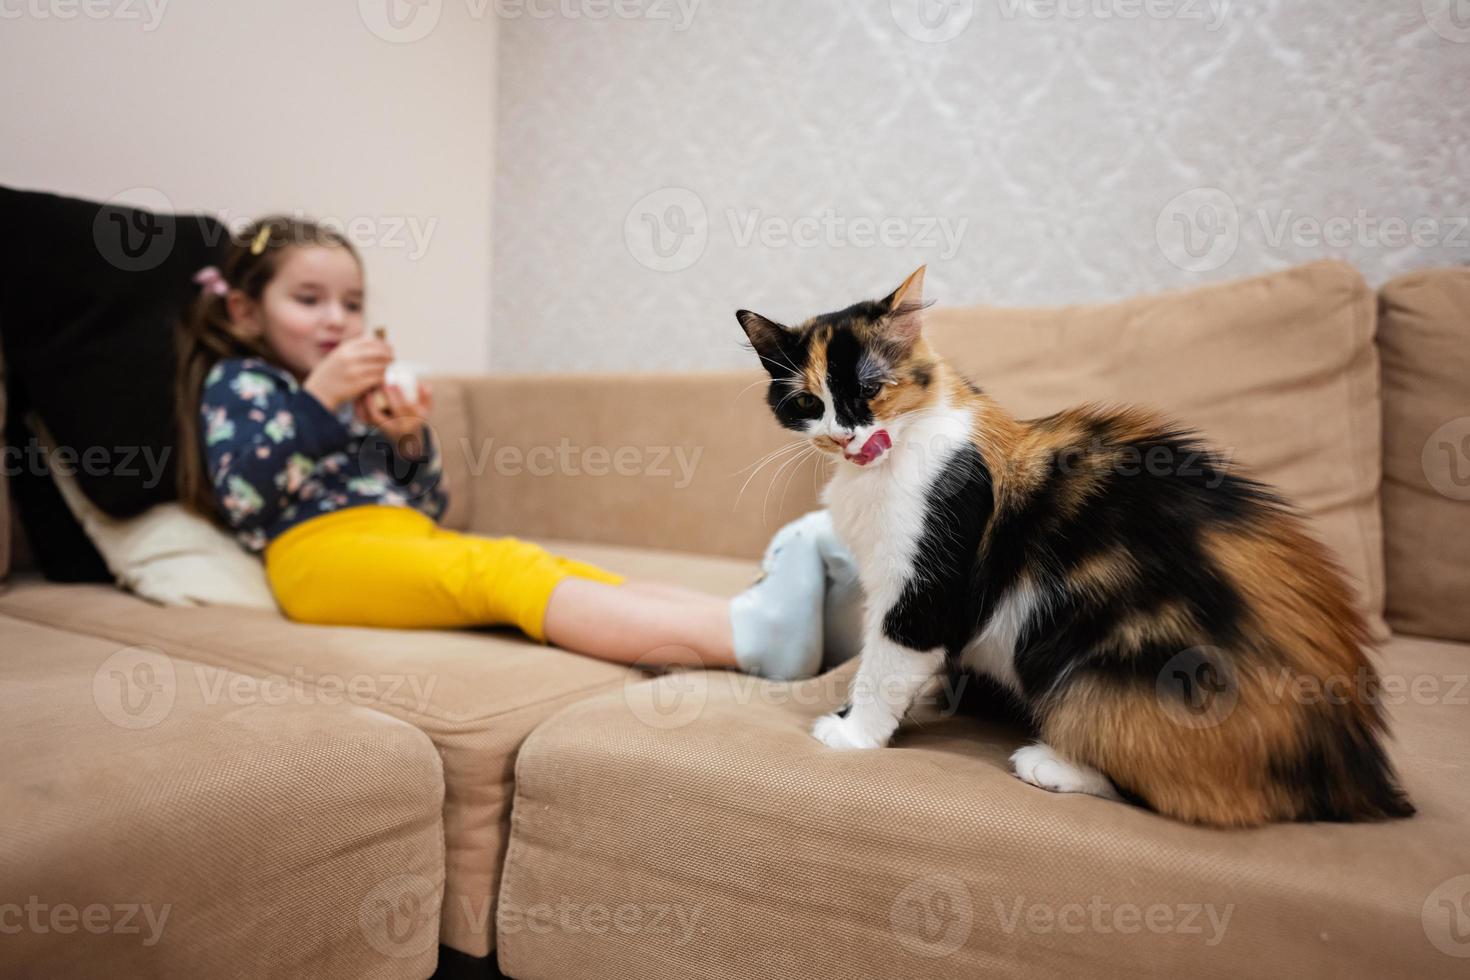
point(1156, 614)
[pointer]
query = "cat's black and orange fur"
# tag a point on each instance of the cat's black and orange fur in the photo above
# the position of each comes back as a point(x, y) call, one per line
point(1156, 570)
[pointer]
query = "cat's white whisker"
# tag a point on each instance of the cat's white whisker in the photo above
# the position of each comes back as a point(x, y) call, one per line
point(761, 464)
point(765, 505)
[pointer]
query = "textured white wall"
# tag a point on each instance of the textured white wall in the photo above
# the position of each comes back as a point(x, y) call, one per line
point(330, 109)
point(1065, 146)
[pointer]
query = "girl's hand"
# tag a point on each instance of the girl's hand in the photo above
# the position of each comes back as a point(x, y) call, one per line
point(404, 420)
point(353, 367)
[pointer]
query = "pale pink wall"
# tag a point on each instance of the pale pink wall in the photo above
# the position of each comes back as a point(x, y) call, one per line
point(239, 108)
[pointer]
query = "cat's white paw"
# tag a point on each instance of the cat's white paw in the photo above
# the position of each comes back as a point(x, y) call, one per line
point(1039, 765)
point(840, 733)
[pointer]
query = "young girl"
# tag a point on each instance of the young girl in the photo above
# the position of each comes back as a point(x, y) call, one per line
point(290, 437)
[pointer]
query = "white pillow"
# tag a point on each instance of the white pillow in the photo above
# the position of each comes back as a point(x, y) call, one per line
point(167, 554)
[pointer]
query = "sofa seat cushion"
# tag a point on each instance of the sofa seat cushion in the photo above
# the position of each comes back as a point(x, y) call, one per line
point(692, 828)
point(155, 826)
point(475, 693)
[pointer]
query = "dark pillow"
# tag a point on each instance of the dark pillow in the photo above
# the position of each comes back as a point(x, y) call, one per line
point(58, 546)
point(89, 296)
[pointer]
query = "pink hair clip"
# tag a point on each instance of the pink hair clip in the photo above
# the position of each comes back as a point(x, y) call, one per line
point(211, 280)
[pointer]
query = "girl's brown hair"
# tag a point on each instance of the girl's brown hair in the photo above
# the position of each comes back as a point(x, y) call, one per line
point(206, 336)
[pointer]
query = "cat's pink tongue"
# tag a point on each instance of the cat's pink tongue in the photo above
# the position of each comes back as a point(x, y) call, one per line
point(878, 443)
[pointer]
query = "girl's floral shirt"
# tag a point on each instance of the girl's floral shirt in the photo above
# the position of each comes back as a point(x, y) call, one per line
point(278, 457)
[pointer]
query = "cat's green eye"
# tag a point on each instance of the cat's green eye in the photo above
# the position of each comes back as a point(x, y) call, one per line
point(807, 403)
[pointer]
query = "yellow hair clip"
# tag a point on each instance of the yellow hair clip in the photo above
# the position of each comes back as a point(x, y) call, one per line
point(261, 239)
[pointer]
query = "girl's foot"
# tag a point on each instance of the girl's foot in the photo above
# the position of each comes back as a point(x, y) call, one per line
point(843, 608)
point(777, 622)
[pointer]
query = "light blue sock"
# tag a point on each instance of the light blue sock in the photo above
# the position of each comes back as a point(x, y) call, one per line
point(843, 609)
point(777, 622)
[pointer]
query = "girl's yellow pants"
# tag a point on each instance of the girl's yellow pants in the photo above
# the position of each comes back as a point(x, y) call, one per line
point(379, 565)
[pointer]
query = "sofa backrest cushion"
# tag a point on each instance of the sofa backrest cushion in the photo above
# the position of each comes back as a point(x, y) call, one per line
point(682, 462)
point(1278, 371)
point(1424, 341)
point(451, 430)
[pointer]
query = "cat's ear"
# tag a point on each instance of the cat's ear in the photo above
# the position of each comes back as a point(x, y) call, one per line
point(768, 338)
point(906, 304)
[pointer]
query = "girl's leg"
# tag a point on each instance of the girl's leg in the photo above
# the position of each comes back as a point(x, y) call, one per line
point(659, 590)
point(659, 627)
point(386, 566)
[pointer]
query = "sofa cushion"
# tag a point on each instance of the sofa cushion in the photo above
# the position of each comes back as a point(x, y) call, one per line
point(476, 694)
point(167, 818)
point(743, 847)
point(1278, 371)
point(641, 460)
point(1424, 341)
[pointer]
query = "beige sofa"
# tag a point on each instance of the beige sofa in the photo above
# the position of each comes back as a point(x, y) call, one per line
point(261, 798)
